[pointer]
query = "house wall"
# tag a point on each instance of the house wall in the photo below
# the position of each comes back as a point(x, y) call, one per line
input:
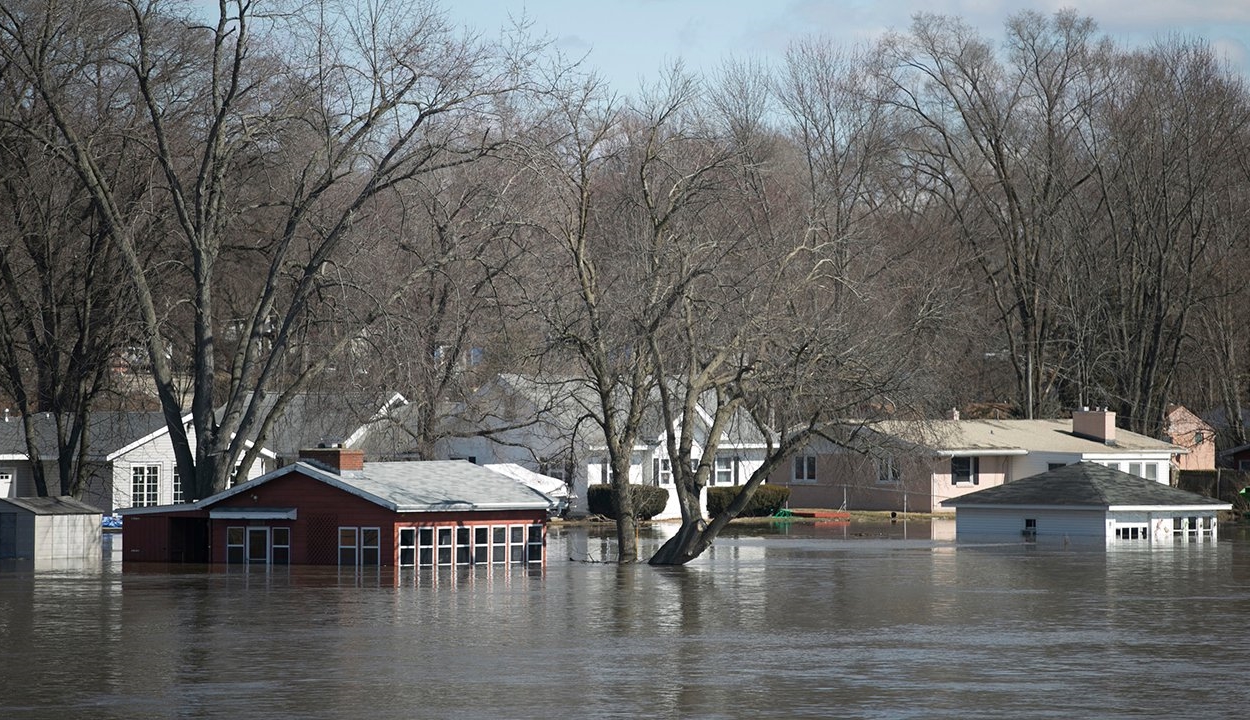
point(850, 479)
point(989, 523)
point(159, 452)
point(323, 509)
point(1195, 435)
point(992, 471)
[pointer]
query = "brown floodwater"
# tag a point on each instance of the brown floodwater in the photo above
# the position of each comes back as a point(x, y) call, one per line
point(835, 620)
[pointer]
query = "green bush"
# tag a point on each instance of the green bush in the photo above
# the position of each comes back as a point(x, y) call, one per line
point(768, 499)
point(649, 500)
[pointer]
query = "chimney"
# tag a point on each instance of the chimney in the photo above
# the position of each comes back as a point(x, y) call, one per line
point(335, 457)
point(954, 414)
point(1097, 424)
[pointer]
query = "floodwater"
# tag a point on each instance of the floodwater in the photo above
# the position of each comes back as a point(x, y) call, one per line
point(854, 621)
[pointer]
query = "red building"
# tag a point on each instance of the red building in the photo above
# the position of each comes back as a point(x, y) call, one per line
point(332, 509)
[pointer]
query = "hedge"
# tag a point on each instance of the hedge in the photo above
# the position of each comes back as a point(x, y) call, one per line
point(649, 500)
point(768, 499)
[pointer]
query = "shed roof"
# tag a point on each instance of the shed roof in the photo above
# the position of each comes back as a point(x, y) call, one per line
point(63, 505)
point(1085, 484)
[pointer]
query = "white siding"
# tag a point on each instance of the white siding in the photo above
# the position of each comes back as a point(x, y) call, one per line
point(160, 452)
point(972, 523)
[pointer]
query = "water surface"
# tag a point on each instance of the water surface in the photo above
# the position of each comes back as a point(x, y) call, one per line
point(874, 621)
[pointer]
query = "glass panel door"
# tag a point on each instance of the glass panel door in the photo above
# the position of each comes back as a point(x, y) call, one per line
point(258, 545)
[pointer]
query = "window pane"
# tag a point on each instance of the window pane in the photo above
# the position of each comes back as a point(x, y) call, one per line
point(234, 536)
point(518, 533)
point(369, 537)
point(281, 536)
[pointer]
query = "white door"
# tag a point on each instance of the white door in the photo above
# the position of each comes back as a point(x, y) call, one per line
point(6, 483)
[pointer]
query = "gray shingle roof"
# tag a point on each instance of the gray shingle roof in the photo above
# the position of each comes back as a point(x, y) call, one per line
point(63, 505)
point(106, 431)
point(1084, 484)
point(416, 486)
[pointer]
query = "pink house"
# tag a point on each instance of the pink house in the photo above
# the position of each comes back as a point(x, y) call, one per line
point(1191, 432)
point(913, 466)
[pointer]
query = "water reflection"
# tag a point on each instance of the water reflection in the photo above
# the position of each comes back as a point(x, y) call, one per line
point(885, 620)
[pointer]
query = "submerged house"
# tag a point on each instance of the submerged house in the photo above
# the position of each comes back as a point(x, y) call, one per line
point(331, 508)
point(1085, 500)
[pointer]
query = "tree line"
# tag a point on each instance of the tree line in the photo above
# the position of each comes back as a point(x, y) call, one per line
point(361, 195)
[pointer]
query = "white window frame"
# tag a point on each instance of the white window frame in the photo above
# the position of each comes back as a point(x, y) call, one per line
point(534, 542)
point(481, 544)
point(724, 470)
point(407, 547)
point(663, 469)
point(145, 485)
point(426, 556)
point(803, 470)
point(237, 544)
point(498, 544)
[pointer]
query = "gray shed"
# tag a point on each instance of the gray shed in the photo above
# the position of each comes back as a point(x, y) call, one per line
point(46, 529)
point(1085, 500)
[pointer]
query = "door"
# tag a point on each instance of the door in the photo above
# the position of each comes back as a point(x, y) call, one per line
point(6, 483)
point(258, 545)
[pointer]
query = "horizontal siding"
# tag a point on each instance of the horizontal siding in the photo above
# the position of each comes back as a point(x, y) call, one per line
point(1004, 523)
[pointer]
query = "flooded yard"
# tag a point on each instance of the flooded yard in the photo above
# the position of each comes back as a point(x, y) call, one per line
point(803, 620)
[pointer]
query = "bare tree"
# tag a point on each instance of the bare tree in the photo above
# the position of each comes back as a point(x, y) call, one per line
point(279, 130)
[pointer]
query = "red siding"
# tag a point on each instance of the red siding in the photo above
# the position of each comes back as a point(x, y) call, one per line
point(320, 510)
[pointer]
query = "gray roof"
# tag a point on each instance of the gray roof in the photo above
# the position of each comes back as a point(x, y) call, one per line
point(1084, 484)
point(311, 417)
point(1008, 436)
point(63, 505)
point(106, 431)
point(416, 486)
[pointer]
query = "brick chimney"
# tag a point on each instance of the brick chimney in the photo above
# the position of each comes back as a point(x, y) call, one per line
point(335, 457)
point(1094, 424)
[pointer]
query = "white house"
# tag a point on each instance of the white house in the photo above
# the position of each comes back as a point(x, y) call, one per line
point(130, 459)
point(1085, 500)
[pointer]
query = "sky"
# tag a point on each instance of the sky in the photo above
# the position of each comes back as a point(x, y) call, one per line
point(630, 41)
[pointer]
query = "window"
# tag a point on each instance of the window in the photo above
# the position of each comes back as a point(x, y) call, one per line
point(1134, 468)
point(534, 546)
point(370, 546)
point(236, 545)
point(1030, 527)
point(481, 545)
point(805, 469)
point(425, 547)
point(176, 481)
point(499, 545)
point(145, 483)
point(964, 471)
point(662, 470)
point(407, 547)
point(1152, 471)
point(464, 551)
point(887, 471)
point(516, 544)
point(1054, 466)
point(556, 467)
point(445, 548)
point(723, 473)
point(349, 539)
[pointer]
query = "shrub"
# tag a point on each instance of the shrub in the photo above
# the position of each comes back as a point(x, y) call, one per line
point(768, 499)
point(649, 500)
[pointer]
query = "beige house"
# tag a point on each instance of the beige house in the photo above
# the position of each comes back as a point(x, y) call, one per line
point(913, 466)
